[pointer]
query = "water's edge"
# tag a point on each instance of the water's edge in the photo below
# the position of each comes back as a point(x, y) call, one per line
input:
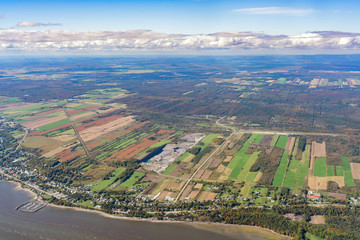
point(229, 230)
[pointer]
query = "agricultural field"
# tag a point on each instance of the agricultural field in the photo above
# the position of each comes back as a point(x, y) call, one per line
point(107, 133)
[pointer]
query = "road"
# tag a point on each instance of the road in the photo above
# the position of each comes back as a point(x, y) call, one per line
point(206, 160)
point(76, 132)
point(29, 185)
point(22, 140)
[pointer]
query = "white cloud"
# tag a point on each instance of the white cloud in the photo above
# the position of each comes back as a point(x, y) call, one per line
point(36, 24)
point(1, 16)
point(97, 41)
point(276, 11)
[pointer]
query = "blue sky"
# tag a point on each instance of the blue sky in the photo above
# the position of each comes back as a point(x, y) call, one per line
point(187, 16)
point(108, 26)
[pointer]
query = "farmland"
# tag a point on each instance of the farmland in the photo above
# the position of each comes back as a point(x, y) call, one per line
point(198, 132)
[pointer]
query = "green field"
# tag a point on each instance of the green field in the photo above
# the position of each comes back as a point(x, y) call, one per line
point(280, 172)
point(245, 174)
point(346, 163)
point(330, 171)
point(209, 138)
point(303, 168)
point(274, 140)
point(281, 142)
point(81, 106)
point(170, 169)
point(240, 155)
point(132, 180)
point(182, 157)
point(258, 138)
point(105, 183)
point(9, 100)
point(312, 237)
point(349, 181)
point(320, 167)
point(54, 124)
point(339, 171)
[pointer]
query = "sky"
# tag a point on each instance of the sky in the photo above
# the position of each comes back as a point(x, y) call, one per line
point(178, 25)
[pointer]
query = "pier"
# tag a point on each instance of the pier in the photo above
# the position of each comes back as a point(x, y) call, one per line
point(31, 206)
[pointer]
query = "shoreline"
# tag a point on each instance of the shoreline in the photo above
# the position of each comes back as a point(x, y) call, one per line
point(200, 225)
point(209, 226)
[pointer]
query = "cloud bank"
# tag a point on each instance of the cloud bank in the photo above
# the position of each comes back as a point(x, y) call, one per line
point(97, 41)
point(36, 24)
point(276, 11)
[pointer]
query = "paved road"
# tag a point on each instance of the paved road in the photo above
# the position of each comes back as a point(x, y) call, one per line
point(76, 131)
point(206, 160)
point(22, 140)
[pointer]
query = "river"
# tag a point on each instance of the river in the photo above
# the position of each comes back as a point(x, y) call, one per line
point(66, 224)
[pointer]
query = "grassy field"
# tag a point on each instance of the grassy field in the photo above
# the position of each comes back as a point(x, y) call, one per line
point(182, 157)
point(320, 167)
point(349, 181)
point(339, 171)
point(330, 171)
point(81, 106)
point(54, 124)
point(132, 180)
point(274, 140)
point(281, 170)
point(312, 237)
point(258, 138)
point(303, 169)
point(9, 100)
point(105, 183)
point(281, 142)
point(245, 174)
point(208, 139)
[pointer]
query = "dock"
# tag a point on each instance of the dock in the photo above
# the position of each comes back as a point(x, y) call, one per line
point(31, 206)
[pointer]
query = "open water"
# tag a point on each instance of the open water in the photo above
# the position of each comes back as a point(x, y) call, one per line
point(67, 224)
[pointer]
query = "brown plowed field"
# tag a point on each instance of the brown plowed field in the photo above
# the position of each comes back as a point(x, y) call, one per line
point(75, 111)
point(133, 149)
point(98, 122)
point(132, 128)
point(215, 163)
point(355, 170)
point(207, 196)
point(67, 155)
point(97, 131)
point(199, 174)
point(42, 121)
point(186, 192)
point(290, 144)
point(148, 177)
point(150, 188)
point(163, 131)
point(50, 111)
point(220, 168)
point(317, 150)
point(177, 186)
point(206, 174)
point(193, 194)
point(177, 169)
point(266, 140)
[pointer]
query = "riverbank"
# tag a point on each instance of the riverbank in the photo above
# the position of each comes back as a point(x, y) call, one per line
point(222, 228)
point(230, 230)
point(18, 187)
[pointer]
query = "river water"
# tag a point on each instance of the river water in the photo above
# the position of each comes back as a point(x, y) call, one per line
point(66, 224)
